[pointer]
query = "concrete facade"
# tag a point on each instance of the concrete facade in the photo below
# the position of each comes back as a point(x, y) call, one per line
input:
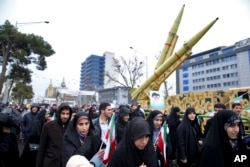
point(220, 68)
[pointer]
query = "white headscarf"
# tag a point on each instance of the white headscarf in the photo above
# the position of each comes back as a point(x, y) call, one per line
point(78, 161)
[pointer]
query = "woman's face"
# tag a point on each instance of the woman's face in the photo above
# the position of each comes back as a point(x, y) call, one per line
point(83, 126)
point(233, 131)
point(141, 142)
point(157, 122)
point(191, 116)
point(125, 118)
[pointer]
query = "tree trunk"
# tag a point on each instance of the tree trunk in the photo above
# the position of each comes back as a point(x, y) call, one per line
point(9, 89)
point(5, 53)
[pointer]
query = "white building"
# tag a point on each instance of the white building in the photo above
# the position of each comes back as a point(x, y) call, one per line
point(109, 68)
point(220, 68)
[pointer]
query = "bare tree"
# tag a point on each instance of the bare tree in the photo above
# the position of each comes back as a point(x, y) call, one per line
point(166, 88)
point(130, 71)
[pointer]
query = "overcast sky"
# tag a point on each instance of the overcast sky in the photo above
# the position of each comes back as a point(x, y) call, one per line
point(79, 28)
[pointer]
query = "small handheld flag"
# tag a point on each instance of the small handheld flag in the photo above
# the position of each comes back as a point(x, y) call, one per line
point(110, 138)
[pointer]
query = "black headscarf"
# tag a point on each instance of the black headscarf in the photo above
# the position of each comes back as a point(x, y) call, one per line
point(173, 121)
point(83, 114)
point(188, 134)
point(150, 120)
point(122, 112)
point(127, 154)
point(120, 124)
point(173, 118)
point(72, 144)
point(217, 150)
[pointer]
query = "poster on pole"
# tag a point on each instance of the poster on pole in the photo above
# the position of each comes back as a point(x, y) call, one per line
point(157, 100)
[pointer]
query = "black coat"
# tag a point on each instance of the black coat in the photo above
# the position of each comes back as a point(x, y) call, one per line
point(150, 120)
point(136, 113)
point(127, 155)
point(28, 157)
point(217, 150)
point(188, 134)
point(207, 127)
point(173, 122)
point(9, 154)
point(72, 145)
point(51, 141)
point(97, 126)
point(27, 124)
point(120, 124)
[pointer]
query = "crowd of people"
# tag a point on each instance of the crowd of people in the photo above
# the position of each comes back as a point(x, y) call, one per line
point(65, 136)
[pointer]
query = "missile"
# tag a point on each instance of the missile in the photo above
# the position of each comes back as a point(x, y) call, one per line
point(157, 83)
point(171, 49)
point(169, 71)
point(175, 57)
point(170, 38)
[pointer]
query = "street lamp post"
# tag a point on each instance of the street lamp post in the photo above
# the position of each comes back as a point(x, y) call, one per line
point(29, 23)
point(146, 60)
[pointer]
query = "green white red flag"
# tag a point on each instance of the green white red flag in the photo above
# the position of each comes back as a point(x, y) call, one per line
point(238, 100)
point(53, 117)
point(110, 140)
point(248, 109)
point(162, 141)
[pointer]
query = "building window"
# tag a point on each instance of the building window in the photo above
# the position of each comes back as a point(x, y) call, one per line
point(213, 55)
point(186, 88)
point(229, 58)
point(186, 62)
point(199, 58)
point(185, 69)
point(185, 75)
point(185, 82)
point(228, 50)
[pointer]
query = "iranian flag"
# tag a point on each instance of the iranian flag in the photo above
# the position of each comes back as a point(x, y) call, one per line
point(238, 100)
point(162, 141)
point(53, 117)
point(248, 109)
point(110, 140)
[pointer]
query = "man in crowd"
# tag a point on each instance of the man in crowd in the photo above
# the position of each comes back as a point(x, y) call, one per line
point(102, 122)
point(237, 108)
point(28, 120)
point(136, 111)
point(53, 110)
point(51, 140)
point(217, 107)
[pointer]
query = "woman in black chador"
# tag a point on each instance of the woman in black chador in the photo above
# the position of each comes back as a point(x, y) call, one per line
point(122, 122)
point(156, 120)
point(79, 138)
point(173, 122)
point(188, 140)
point(135, 149)
point(223, 143)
